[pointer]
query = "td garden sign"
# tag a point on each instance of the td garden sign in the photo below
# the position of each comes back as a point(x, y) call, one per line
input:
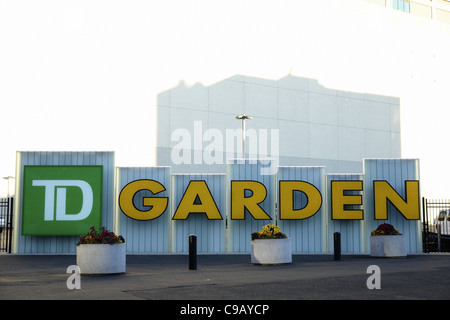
point(197, 198)
point(60, 195)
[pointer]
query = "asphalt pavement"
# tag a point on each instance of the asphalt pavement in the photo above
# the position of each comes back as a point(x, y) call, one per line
point(230, 278)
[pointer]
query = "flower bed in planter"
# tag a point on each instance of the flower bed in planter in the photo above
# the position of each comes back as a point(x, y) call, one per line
point(270, 246)
point(386, 241)
point(101, 253)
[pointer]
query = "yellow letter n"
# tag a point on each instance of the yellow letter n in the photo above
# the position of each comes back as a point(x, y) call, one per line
point(409, 208)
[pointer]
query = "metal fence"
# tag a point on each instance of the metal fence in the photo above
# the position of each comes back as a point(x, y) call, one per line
point(436, 225)
point(6, 224)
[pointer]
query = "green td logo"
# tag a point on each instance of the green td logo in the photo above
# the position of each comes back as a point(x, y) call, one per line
point(61, 200)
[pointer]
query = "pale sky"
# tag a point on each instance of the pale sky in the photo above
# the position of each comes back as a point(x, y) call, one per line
point(85, 75)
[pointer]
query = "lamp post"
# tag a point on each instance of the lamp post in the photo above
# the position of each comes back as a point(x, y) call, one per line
point(7, 178)
point(243, 117)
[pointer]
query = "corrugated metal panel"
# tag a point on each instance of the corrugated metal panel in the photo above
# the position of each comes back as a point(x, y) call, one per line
point(61, 244)
point(312, 235)
point(210, 233)
point(308, 235)
point(396, 172)
point(351, 230)
point(239, 231)
point(152, 236)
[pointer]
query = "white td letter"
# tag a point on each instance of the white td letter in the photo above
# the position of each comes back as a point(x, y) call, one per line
point(51, 185)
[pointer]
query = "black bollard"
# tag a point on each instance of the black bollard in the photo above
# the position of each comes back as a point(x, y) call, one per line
point(337, 246)
point(192, 252)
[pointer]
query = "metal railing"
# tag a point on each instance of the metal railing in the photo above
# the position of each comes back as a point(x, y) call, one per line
point(6, 224)
point(436, 225)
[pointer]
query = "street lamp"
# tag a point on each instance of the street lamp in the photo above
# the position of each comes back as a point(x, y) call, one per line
point(7, 178)
point(243, 117)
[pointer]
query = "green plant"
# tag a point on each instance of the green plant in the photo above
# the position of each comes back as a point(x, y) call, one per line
point(269, 231)
point(102, 236)
point(385, 229)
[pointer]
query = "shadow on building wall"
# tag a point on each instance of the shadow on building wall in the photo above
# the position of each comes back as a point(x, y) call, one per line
point(295, 119)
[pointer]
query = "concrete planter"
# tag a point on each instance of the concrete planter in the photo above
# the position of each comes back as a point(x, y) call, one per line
point(271, 251)
point(388, 246)
point(101, 258)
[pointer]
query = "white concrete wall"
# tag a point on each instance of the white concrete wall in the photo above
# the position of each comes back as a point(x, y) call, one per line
point(317, 125)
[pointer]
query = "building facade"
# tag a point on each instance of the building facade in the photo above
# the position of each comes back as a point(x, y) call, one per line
point(294, 119)
point(60, 194)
